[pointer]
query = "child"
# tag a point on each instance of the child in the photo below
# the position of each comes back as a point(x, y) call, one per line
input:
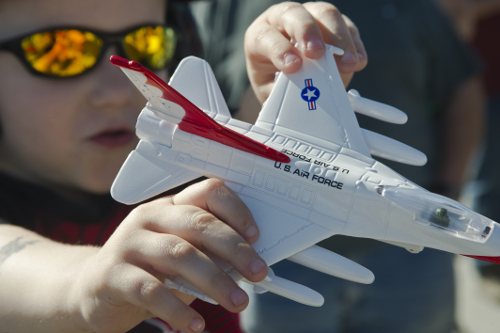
point(67, 123)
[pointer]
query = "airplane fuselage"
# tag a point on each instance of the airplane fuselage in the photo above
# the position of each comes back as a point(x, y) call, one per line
point(337, 190)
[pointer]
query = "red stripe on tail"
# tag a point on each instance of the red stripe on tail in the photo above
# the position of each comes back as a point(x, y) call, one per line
point(197, 122)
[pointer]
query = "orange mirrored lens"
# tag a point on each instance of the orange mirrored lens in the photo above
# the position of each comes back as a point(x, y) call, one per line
point(66, 52)
point(153, 47)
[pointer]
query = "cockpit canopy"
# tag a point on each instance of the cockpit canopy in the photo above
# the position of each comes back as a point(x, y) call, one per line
point(440, 212)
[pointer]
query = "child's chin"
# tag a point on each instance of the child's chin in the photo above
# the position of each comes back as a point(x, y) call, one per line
point(99, 168)
point(98, 183)
point(97, 188)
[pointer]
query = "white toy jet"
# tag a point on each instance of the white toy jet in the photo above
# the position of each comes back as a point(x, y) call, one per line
point(305, 170)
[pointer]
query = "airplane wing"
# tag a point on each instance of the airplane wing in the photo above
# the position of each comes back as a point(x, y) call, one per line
point(293, 240)
point(311, 105)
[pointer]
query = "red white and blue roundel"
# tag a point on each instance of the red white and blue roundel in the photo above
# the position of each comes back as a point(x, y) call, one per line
point(310, 94)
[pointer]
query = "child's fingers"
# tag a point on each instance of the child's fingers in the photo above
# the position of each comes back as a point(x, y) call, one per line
point(205, 231)
point(335, 32)
point(170, 255)
point(215, 197)
point(358, 43)
point(265, 44)
point(297, 24)
point(268, 48)
point(145, 291)
point(268, 38)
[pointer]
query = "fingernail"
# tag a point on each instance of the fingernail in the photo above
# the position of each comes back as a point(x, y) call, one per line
point(348, 58)
point(251, 231)
point(196, 324)
point(238, 296)
point(314, 43)
point(290, 58)
point(257, 265)
point(360, 56)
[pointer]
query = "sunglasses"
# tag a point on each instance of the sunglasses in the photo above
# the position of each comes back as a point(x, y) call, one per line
point(68, 52)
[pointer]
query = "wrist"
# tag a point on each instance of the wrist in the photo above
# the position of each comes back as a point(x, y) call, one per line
point(78, 295)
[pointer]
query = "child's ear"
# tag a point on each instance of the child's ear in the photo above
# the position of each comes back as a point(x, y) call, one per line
point(180, 18)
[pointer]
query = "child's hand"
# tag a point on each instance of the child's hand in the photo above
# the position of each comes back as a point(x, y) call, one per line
point(268, 48)
point(122, 284)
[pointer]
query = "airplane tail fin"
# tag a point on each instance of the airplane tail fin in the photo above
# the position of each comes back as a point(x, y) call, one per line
point(195, 80)
point(170, 105)
point(195, 109)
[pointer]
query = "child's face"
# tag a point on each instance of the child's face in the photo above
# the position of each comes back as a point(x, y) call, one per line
point(74, 132)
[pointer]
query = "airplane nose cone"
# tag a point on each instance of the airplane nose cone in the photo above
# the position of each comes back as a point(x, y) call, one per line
point(492, 245)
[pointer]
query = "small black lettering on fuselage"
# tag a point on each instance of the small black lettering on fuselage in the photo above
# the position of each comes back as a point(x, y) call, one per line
point(315, 162)
point(327, 182)
point(305, 174)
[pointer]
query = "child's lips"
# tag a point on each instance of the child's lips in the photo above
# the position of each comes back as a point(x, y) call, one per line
point(113, 139)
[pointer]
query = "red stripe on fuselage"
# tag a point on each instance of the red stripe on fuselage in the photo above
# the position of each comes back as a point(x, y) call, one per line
point(197, 122)
point(495, 260)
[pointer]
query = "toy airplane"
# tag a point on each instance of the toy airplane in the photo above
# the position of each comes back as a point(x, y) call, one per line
point(304, 169)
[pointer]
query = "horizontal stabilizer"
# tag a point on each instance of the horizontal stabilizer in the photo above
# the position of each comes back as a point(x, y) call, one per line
point(331, 263)
point(385, 147)
point(142, 177)
point(376, 110)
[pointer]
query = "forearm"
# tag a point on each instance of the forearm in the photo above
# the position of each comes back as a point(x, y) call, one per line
point(36, 276)
point(463, 124)
point(51, 287)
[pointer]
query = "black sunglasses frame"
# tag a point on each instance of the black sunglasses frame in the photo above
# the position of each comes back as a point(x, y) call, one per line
point(13, 45)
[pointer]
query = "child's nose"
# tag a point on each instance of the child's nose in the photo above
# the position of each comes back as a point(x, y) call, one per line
point(110, 87)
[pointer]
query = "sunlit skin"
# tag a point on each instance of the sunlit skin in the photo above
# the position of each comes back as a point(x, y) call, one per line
point(69, 134)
